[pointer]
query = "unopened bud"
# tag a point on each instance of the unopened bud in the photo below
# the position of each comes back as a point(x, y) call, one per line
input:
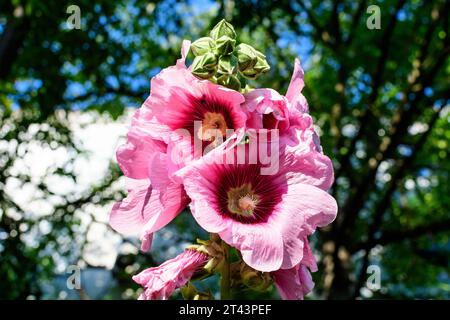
point(223, 28)
point(209, 60)
point(188, 291)
point(261, 65)
point(229, 81)
point(250, 73)
point(247, 56)
point(204, 66)
point(202, 46)
point(227, 64)
point(214, 250)
point(259, 68)
point(247, 89)
point(225, 45)
point(256, 280)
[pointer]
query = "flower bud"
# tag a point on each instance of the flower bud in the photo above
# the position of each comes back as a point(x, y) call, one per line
point(223, 28)
point(214, 250)
point(259, 68)
point(188, 291)
point(204, 66)
point(227, 65)
point(229, 81)
point(225, 45)
point(261, 65)
point(254, 279)
point(250, 73)
point(246, 55)
point(202, 46)
point(213, 264)
point(209, 60)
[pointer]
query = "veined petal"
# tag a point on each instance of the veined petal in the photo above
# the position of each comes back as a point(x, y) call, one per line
point(294, 283)
point(130, 215)
point(160, 282)
point(133, 157)
point(293, 94)
point(261, 245)
point(302, 210)
point(306, 164)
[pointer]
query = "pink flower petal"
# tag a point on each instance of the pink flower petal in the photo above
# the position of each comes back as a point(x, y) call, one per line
point(294, 283)
point(185, 46)
point(261, 246)
point(177, 103)
point(133, 157)
point(307, 164)
point(201, 207)
point(308, 256)
point(286, 211)
point(160, 282)
point(293, 94)
point(147, 209)
point(316, 207)
point(302, 210)
point(130, 215)
point(146, 241)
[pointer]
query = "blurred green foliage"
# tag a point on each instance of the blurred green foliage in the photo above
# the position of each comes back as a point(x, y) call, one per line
point(379, 97)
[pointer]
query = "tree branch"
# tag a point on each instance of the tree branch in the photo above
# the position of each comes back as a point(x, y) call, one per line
point(389, 237)
point(376, 83)
point(334, 23)
point(107, 90)
point(380, 210)
point(355, 21)
point(11, 41)
point(399, 125)
point(312, 18)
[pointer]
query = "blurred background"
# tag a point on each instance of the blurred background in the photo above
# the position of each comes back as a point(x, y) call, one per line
point(380, 99)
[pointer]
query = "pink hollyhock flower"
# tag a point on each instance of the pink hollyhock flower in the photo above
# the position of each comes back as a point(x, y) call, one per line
point(266, 217)
point(161, 282)
point(143, 141)
point(178, 100)
point(267, 109)
point(153, 199)
point(144, 138)
point(295, 283)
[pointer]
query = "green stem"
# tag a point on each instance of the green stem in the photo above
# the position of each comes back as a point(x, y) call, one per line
point(225, 274)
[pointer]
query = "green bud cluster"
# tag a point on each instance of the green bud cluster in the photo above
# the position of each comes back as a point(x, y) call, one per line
point(239, 273)
point(219, 59)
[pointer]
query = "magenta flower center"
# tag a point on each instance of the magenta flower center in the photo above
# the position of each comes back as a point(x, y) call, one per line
point(213, 125)
point(242, 200)
point(244, 195)
point(247, 203)
point(213, 113)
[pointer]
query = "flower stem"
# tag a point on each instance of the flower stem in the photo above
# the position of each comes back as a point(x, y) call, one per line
point(225, 274)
